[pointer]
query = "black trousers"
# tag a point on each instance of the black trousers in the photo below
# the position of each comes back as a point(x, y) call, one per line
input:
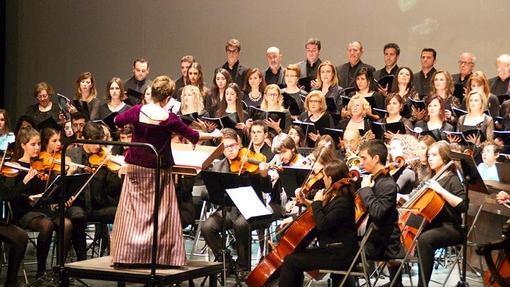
point(294, 265)
point(211, 229)
point(17, 238)
point(432, 239)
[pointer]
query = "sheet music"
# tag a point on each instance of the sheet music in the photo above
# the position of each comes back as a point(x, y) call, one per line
point(247, 201)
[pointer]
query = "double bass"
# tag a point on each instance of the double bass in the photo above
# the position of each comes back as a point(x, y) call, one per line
point(297, 237)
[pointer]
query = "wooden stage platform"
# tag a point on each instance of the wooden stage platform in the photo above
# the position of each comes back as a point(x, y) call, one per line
point(101, 269)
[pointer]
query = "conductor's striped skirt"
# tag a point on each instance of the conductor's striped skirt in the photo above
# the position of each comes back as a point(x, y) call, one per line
point(133, 227)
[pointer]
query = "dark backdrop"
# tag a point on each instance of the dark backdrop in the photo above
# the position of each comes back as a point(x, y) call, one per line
point(55, 40)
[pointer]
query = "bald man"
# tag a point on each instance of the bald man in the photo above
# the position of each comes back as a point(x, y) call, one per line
point(347, 72)
point(499, 84)
point(274, 72)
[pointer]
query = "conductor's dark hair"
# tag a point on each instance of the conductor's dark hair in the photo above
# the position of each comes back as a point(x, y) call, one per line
point(376, 147)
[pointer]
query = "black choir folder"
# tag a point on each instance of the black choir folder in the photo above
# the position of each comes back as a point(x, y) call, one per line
point(418, 104)
point(222, 122)
point(259, 114)
point(380, 128)
point(291, 104)
point(464, 135)
point(189, 118)
point(386, 82)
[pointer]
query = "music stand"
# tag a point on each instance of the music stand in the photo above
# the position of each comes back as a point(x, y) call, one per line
point(216, 184)
point(292, 178)
point(52, 194)
point(471, 179)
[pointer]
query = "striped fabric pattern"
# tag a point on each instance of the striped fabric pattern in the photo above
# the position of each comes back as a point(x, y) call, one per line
point(133, 227)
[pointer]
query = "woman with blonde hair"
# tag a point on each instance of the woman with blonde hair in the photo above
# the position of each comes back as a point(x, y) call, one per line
point(316, 113)
point(358, 108)
point(478, 81)
point(327, 81)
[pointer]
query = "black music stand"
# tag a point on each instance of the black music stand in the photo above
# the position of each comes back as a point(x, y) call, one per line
point(54, 191)
point(216, 184)
point(471, 179)
point(292, 178)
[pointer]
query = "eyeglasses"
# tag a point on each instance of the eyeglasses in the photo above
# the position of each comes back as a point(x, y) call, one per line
point(232, 51)
point(231, 146)
point(465, 63)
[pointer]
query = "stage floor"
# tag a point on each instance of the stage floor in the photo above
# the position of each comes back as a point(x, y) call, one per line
point(103, 263)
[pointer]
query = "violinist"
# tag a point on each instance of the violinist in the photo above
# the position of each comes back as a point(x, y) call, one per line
point(50, 155)
point(378, 192)
point(258, 134)
point(101, 196)
point(422, 166)
point(333, 212)
point(6, 136)
point(285, 152)
point(403, 148)
point(445, 229)
point(16, 237)
point(211, 228)
point(28, 187)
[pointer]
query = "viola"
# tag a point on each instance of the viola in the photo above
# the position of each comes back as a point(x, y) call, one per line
point(247, 161)
point(297, 237)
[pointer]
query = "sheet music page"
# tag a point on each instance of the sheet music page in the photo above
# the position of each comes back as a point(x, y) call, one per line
point(247, 201)
point(190, 158)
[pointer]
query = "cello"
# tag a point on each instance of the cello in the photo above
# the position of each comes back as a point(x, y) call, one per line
point(297, 237)
point(426, 203)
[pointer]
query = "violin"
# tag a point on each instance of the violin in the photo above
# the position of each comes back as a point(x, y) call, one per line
point(247, 161)
point(12, 169)
point(103, 158)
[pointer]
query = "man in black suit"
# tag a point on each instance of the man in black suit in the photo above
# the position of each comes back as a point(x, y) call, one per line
point(138, 82)
point(422, 78)
point(182, 81)
point(236, 70)
point(347, 72)
point(309, 66)
point(379, 194)
point(274, 72)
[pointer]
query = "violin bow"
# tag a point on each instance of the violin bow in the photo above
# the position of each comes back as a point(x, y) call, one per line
point(52, 164)
point(3, 158)
point(245, 157)
point(82, 188)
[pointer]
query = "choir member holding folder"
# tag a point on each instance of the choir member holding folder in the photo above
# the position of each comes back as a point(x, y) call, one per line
point(271, 110)
point(394, 105)
point(435, 123)
point(328, 83)
point(476, 119)
point(315, 116)
point(478, 81)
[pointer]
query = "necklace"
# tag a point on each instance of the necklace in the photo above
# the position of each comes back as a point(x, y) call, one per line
point(254, 99)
